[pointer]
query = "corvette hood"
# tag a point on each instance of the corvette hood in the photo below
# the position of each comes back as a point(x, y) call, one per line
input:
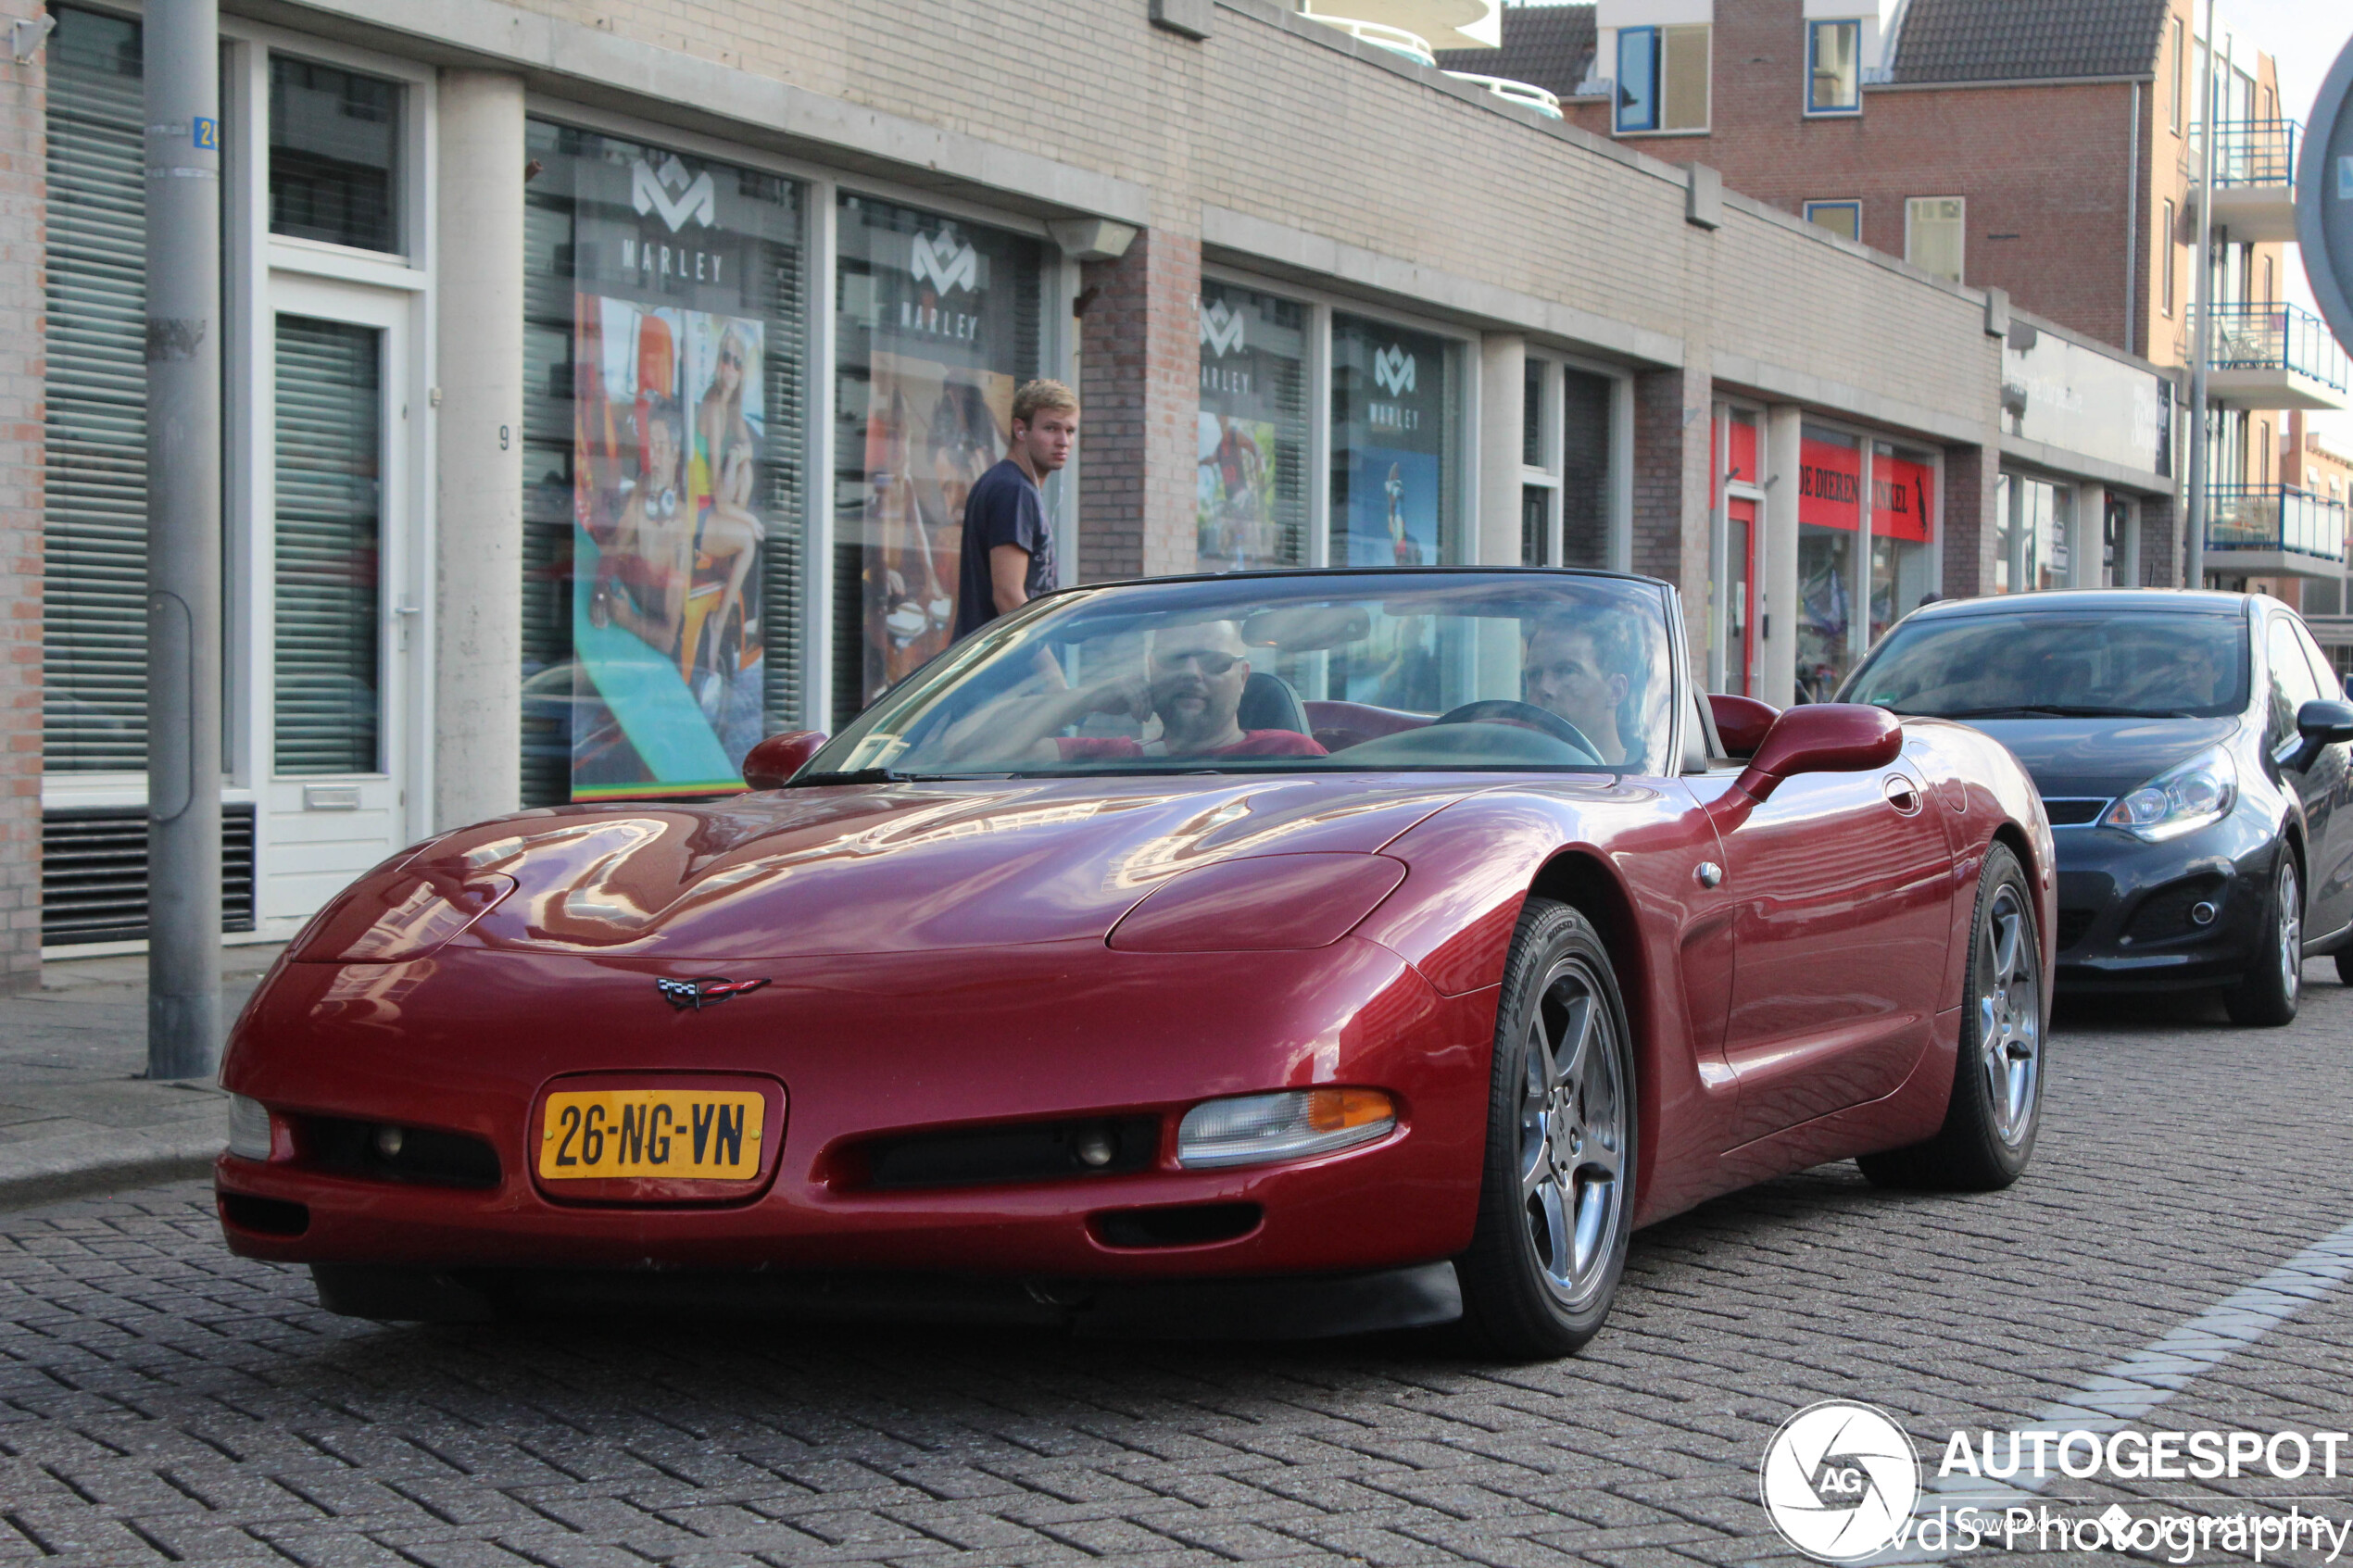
point(2101, 756)
point(896, 868)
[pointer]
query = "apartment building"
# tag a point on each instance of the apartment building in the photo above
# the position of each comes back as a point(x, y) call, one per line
point(511, 286)
point(2054, 151)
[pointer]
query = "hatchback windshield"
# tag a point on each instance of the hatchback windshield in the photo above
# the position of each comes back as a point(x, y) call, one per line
point(1387, 669)
point(2060, 665)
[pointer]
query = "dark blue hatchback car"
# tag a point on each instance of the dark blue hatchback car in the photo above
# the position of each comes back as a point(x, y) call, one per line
point(2191, 750)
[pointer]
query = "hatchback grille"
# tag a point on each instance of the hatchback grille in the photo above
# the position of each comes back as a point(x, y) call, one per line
point(2068, 812)
point(93, 872)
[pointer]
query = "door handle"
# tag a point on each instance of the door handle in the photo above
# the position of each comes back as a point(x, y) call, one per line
point(1901, 793)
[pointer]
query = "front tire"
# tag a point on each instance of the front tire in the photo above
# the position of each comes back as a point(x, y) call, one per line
point(1997, 1084)
point(1556, 1193)
point(2267, 997)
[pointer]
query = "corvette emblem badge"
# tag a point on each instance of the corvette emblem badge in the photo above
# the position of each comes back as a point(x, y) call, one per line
point(708, 991)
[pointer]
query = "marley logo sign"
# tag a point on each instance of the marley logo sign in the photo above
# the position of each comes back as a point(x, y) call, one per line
point(1393, 370)
point(1221, 329)
point(945, 262)
point(650, 193)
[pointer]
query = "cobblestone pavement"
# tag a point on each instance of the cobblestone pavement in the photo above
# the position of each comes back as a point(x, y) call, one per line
point(161, 1400)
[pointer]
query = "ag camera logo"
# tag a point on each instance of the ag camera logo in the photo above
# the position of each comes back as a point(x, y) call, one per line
point(1839, 1480)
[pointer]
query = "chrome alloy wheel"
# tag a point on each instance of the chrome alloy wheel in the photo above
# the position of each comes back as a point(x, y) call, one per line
point(1572, 1132)
point(2009, 1014)
point(2291, 901)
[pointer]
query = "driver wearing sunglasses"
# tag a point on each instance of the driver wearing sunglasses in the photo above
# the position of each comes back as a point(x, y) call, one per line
point(1192, 682)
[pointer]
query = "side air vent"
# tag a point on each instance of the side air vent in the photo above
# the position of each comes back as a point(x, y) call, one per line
point(93, 872)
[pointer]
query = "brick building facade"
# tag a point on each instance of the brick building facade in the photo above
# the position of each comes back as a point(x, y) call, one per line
point(818, 251)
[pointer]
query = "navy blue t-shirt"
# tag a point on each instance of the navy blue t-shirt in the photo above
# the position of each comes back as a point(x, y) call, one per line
point(1004, 508)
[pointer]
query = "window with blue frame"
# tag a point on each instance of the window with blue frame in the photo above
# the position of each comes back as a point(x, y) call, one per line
point(1662, 79)
point(1835, 67)
point(1637, 78)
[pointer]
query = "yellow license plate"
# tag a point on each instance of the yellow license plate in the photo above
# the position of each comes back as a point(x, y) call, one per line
point(705, 1135)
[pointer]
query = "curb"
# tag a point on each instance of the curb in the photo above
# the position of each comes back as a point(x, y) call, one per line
point(38, 1171)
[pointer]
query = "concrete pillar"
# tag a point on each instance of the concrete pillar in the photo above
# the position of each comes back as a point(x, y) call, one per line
point(1140, 371)
point(1971, 521)
point(2086, 535)
point(23, 189)
point(2128, 557)
point(477, 641)
point(1778, 607)
point(1503, 394)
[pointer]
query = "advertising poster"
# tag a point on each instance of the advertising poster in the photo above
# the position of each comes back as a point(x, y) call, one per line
point(1235, 503)
point(1393, 508)
point(932, 431)
point(666, 622)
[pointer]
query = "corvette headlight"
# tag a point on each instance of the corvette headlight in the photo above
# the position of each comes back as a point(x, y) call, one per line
point(404, 916)
point(1253, 1129)
point(249, 1132)
point(2179, 800)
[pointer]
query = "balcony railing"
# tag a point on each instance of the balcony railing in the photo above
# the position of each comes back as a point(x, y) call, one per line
point(2256, 517)
point(2279, 337)
point(1380, 35)
point(2249, 152)
point(1525, 93)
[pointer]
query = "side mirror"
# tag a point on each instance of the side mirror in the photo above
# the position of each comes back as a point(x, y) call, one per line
point(1823, 738)
point(1742, 723)
point(2322, 724)
point(769, 764)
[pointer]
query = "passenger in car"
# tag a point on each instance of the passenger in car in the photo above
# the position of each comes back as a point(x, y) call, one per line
point(1192, 683)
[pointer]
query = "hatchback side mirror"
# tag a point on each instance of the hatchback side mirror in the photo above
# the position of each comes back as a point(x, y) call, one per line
point(1823, 738)
point(2323, 725)
point(769, 764)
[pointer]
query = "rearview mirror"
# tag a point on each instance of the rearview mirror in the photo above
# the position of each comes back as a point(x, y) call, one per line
point(2323, 725)
point(769, 764)
point(1823, 738)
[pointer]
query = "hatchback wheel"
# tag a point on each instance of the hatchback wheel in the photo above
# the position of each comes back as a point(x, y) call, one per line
point(2267, 996)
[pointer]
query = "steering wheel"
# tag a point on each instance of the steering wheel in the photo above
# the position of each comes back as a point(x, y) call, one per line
point(1526, 715)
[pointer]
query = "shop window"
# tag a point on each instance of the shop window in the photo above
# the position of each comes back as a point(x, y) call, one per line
point(1531, 414)
point(1250, 500)
point(1932, 235)
point(2179, 67)
point(2031, 534)
point(664, 334)
point(1903, 534)
point(1830, 520)
point(1662, 79)
point(936, 323)
point(1842, 218)
point(327, 538)
point(1834, 75)
point(335, 156)
point(1396, 445)
point(1535, 525)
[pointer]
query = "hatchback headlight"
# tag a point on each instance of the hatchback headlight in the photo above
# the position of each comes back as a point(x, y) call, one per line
point(2179, 800)
point(1254, 1129)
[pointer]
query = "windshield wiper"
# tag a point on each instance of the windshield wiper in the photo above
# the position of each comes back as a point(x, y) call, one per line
point(2062, 710)
point(852, 776)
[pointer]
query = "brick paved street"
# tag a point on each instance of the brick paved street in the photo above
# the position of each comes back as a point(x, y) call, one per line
point(161, 1400)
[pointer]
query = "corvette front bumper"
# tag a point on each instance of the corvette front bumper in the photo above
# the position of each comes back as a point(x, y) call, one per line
point(467, 1043)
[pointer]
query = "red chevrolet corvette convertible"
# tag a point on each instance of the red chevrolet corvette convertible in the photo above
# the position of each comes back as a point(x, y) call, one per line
point(1275, 953)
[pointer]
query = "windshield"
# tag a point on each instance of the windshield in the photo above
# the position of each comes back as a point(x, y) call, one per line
point(2042, 664)
point(1388, 670)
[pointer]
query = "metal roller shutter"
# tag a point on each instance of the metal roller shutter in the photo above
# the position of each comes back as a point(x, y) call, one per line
point(94, 493)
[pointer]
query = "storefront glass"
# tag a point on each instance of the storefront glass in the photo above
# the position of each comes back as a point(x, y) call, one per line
point(1252, 502)
point(1829, 524)
point(663, 437)
point(937, 322)
point(2033, 534)
point(1396, 445)
point(1903, 532)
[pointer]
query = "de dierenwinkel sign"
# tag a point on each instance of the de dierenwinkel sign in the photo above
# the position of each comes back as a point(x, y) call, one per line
point(2324, 198)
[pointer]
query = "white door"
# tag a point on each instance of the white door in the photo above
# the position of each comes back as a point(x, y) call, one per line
point(337, 595)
